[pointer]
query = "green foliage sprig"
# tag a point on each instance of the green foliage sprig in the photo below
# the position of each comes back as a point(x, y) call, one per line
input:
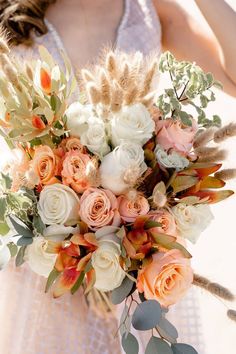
point(190, 86)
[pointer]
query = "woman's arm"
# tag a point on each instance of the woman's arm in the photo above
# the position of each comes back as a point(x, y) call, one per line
point(222, 20)
point(189, 40)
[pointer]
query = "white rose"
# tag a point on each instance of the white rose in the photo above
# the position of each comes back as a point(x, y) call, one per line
point(171, 160)
point(77, 118)
point(5, 254)
point(192, 220)
point(95, 137)
point(59, 232)
point(132, 124)
point(106, 261)
point(121, 168)
point(38, 259)
point(58, 204)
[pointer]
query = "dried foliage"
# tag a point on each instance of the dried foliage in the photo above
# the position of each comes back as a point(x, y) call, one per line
point(213, 288)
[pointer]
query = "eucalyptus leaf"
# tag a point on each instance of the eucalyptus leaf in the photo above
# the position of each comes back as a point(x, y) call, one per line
point(6, 181)
point(38, 224)
point(20, 256)
point(119, 294)
point(20, 228)
point(149, 224)
point(147, 315)
point(158, 346)
point(130, 344)
point(180, 348)
point(24, 241)
point(167, 330)
point(51, 279)
point(3, 209)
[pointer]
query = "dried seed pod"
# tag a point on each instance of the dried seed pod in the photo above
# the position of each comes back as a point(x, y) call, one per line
point(116, 99)
point(131, 95)
point(232, 314)
point(205, 151)
point(148, 80)
point(220, 155)
point(226, 174)
point(87, 76)
point(93, 93)
point(111, 64)
point(124, 78)
point(213, 288)
point(204, 137)
point(225, 132)
point(105, 88)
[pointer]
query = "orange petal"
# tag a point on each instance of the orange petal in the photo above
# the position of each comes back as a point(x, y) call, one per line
point(182, 183)
point(45, 80)
point(211, 182)
point(140, 222)
point(137, 237)
point(131, 252)
point(91, 278)
point(83, 262)
point(204, 170)
point(66, 282)
point(38, 123)
point(213, 196)
point(53, 247)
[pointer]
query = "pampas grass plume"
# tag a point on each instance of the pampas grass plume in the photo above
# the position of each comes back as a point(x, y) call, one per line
point(225, 132)
point(204, 137)
point(226, 174)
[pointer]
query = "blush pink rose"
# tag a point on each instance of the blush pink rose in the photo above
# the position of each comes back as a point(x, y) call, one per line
point(171, 134)
point(98, 208)
point(166, 279)
point(75, 172)
point(167, 221)
point(131, 208)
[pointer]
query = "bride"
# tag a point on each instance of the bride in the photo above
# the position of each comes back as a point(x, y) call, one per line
point(32, 322)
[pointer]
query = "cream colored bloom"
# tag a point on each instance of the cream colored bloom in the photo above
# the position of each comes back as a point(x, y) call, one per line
point(132, 124)
point(171, 160)
point(77, 118)
point(192, 220)
point(59, 232)
point(58, 204)
point(38, 259)
point(121, 168)
point(106, 261)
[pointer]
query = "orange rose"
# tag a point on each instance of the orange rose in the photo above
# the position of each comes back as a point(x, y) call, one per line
point(46, 164)
point(131, 208)
point(167, 221)
point(98, 208)
point(76, 170)
point(166, 279)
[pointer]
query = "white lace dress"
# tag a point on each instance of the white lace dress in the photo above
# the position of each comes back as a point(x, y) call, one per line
point(31, 322)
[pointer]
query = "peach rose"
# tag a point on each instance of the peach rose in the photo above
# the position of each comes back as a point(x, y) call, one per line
point(76, 170)
point(166, 279)
point(72, 144)
point(130, 208)
point(46, 164)
point(172, 134)
point(167, 221)
point(98, 208)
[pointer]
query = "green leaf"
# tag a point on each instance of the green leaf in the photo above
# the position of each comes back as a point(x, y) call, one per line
point(35, 142)
point(130, 344)
point(13, 249)
point(4, 228)
point(55, 103)
point(20, 228)
point(158, 346)
point(216, 120)
point(51, 279)
point(78, 283)
point(180, 348)
point(119, 294)
point(185, 118)
point(5, 181)
point(38, 224)
point(24, 241)
point(149, 224)
point(3, 209)
point(167, 330)
point(20, 256)
point(147, 315)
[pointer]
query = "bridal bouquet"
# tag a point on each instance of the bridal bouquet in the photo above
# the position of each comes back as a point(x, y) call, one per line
point(104, 192)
